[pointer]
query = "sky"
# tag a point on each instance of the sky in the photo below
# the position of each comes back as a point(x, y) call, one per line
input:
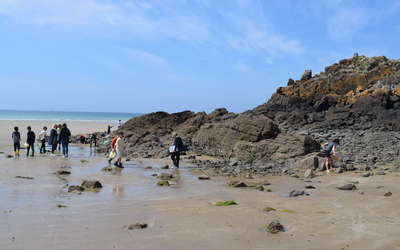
point(175, 55)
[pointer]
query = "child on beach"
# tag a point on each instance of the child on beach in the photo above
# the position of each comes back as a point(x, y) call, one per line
point(30, 140)
point(328, 147)
point(16, 138)
point(53, 139)
point(42, 138)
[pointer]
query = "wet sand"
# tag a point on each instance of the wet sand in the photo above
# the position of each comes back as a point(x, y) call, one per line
point(182, 216)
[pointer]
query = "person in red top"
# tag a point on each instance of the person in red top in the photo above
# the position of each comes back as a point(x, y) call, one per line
point(113, 150)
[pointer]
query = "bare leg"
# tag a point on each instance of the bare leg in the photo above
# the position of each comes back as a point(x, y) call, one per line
point(327, 164)
point(330, 160)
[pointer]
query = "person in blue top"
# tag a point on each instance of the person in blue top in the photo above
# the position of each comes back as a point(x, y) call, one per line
point(330, 146)
point(64, 139)
point(178, 147)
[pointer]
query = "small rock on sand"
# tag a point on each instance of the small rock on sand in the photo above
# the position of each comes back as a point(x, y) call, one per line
point(8, 156)
point(91, 184)
point(309, 174)
point(149, 167)
point(264, 183)
point(107, 169)
point(163, 183)
point(348, 187)
point(203, 177)
point(267, 209)
point(137, 226)
point(237, 184)
point(165, 176)
point(388, 193)
point(366, 174)
point(75, 188)
point(24, 177)
point(310, 186)
point(295, 193)
point(274, 227)
point(63, 172)
point(164, 167)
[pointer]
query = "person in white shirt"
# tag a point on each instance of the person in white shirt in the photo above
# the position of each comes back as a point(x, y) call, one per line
point(119, 147)
point(42, 138)
point(119, 123)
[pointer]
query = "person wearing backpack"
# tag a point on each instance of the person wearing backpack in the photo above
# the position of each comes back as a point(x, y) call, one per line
point(177, 148)
point(113, 150)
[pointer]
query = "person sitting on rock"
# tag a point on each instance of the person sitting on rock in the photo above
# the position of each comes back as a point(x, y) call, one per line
point(328, 147)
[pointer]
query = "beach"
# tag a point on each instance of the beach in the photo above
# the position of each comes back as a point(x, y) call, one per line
point(183, 215)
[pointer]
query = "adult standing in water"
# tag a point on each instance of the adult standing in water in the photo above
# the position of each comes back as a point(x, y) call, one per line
point(53, 139)
point(178, 147)
point(30, 139)
point(64, 139)
point(328, 147)
point(119, 147)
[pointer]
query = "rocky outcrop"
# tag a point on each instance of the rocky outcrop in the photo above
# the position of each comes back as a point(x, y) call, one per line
point(248, 137)
point(356, 100)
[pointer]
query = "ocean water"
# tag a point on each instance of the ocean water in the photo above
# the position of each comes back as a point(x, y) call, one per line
point(66, 116)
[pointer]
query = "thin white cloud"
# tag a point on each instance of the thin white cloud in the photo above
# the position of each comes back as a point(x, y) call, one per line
point(146, 57)
point(241, 65)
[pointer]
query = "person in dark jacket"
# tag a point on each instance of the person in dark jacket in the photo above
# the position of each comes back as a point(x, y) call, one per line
point(64, 139)
point(177, 148)
point(53, 139)
point(16, 138)
point(30, 139)
point(330, 146)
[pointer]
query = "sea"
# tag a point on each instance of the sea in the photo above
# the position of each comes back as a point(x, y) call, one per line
point(103, 117)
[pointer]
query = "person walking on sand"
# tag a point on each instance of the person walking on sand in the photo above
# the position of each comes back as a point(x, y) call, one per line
point(16, 140)
point(328, 147)
point(177, 148)
point(30, 139)
point(64, 139)
point(113, 150)
point(53, 139)
point(42, 138)
point(119, 147)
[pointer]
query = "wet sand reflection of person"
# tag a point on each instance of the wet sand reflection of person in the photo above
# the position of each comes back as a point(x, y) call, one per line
point(118, 191)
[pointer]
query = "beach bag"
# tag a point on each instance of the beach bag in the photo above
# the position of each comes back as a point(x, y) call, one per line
point(112, 154)
point(26, 144)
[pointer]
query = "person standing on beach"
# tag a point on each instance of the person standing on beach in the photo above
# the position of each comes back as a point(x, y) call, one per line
point(109, 129)
point(178, 147)
point(59, 127)
point(328, 147)
point(64, 139)
point(93, 139)
point(16, 139)
point(113, 150)
point(119, 123)
point(119, 147)
point(42, 138)
point(53, 139)
point(30, 140)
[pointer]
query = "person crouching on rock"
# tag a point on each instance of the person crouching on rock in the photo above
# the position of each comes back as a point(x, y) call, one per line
point(178, 147)
point(119, 147)
point(328, 147)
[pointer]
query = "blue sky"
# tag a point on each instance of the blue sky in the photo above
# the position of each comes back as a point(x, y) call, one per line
point(146, 56)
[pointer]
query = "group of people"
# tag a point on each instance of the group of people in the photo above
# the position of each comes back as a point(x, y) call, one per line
point(59, 136)
point(117, 148)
